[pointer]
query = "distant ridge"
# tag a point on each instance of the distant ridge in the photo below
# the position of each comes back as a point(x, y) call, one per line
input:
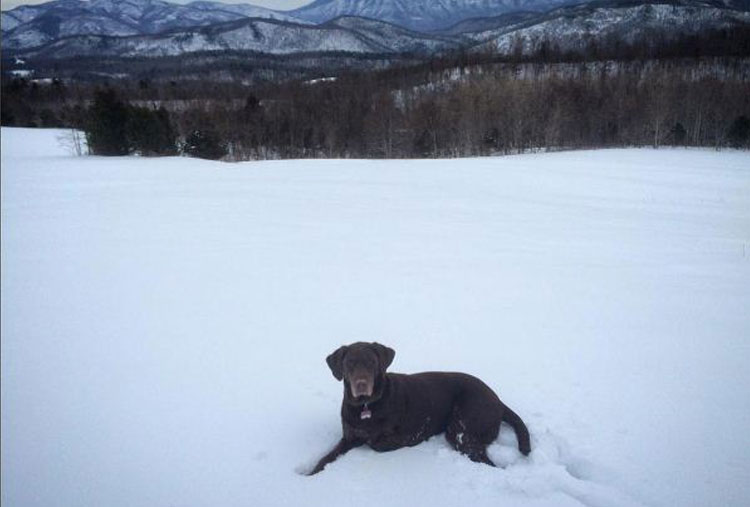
point(154, 28)
point(424, 15)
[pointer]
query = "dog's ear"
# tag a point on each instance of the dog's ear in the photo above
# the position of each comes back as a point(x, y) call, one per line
point(336, 362)
point(385, 355)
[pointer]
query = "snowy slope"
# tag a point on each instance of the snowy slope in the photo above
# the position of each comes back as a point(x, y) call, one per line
point(266, 36)
point(490, 23)
point(45, 29)
point(418, 14)
point(65, 18)
point(394, 38)
point(21, 14)
point(165, 324)
point(573, 28)
point(247, 10)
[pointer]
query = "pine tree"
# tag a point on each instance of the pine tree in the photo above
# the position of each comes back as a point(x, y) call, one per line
point(150, 132)
point(204, 143)
point(678, 134)
point(106, 125)
point(738, 134)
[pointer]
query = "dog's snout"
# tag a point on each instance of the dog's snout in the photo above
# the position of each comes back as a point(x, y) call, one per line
point(361, 387)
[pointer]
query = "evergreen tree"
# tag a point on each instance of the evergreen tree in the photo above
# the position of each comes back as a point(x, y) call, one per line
point(204, 143)
point(106, 125)
point(678, 134)
point(150, 132)
point(739, 132)
point(48, 118)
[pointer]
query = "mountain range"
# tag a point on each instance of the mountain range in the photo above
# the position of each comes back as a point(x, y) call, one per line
point(34, 25)
point(153, 28)
point(423, 15)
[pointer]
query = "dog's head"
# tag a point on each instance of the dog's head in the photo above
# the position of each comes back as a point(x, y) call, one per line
point(362, 368)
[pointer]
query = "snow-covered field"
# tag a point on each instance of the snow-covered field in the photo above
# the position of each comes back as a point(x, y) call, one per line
point(165, 324)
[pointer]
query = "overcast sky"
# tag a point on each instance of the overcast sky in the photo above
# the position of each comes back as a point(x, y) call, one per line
point(272, 4)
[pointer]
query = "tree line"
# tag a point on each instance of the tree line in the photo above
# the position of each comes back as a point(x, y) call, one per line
point(477, 114)
point(450, 106)
point(113, 127)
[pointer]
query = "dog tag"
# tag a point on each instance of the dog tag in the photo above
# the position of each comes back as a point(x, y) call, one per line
point(366, 414)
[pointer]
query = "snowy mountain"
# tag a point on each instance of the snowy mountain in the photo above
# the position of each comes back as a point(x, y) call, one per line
point(625, 21)
point(19, 15)
point(31, 26)
point(246, 10)
point(352, 35)
point(392, 37)
point(152, 28)
point(473, 25)
point(26, 26)
point(419, 14)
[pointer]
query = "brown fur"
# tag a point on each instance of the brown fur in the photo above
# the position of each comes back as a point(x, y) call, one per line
point(405, 410)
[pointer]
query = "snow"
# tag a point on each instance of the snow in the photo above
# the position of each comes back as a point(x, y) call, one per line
point(165, 324)
point(116, 18)
point(417, 14)
point(320, 80)
point(22, 73)
point(264, 36)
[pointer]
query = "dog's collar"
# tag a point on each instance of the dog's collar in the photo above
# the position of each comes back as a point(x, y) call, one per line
point(366, 412)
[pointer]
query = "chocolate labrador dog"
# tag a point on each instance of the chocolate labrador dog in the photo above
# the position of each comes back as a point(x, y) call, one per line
point(388, 411)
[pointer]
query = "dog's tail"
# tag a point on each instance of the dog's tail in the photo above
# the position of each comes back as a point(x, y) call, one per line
point(522, 432)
